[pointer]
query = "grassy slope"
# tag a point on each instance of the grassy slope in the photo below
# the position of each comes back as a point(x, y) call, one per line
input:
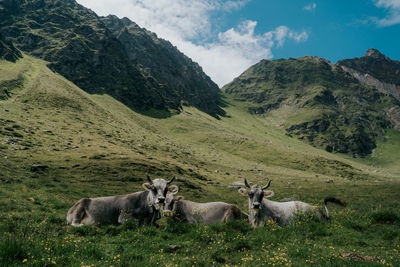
point(95, 146)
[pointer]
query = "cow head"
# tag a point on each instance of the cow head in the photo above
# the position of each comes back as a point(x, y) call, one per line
point(169, 206)
point(158, 189)
point(256, 194)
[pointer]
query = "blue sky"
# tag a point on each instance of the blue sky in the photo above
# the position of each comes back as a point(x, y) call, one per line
point(227, 36)
point(337, 29)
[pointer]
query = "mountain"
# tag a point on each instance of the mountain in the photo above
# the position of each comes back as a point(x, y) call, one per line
point(48, 120)
point(8, 50)
point(59, 144)
point(80, 47)
point(317, 101)
point(181, 77)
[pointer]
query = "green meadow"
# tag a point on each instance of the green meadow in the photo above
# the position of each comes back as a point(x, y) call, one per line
point(92, 145)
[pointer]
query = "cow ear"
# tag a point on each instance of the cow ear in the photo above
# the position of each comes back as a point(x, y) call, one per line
point(173, 189)
point(243, 191)
point(147, 186)
point(268, 193)
point(179, 198)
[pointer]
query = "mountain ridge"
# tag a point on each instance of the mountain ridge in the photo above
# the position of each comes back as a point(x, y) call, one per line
point(159, 58)
point(377, 65)
point(49, 116)
point(81, 48)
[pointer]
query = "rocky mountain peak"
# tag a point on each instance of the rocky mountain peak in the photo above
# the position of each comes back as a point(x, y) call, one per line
point(374, 53)
point(375, 64)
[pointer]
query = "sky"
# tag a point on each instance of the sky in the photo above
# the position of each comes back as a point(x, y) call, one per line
point(228, 36)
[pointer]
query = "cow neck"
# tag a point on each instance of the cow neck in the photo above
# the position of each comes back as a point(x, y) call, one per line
point(262, 214)
point(256, 216)
point(149, 201)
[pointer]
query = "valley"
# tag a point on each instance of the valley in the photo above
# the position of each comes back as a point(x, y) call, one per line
point(93, 145)
point(89, 105)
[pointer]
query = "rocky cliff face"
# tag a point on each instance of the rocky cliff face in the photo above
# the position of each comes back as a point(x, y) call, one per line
point(327, 106)
point(367, 79)
point(80, 47)
point(375, 69)
point(393, 113)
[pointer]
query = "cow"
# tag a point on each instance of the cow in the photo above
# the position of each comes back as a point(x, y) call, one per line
point(146, 207)
point(201, 213)
point(261, 209)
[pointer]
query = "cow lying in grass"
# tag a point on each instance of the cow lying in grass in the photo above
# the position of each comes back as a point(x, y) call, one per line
point(201, 213)
point(261, 209)
point(145, 207)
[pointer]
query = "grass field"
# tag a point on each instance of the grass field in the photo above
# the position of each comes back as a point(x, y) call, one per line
point(92, 145)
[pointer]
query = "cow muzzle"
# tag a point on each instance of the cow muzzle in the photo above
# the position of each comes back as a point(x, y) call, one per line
point(256, 205)
point(161, 200)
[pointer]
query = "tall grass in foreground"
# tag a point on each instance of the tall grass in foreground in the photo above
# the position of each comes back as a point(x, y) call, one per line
point(351, 239)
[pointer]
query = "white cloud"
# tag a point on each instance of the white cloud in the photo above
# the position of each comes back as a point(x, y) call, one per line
point(393, 9)
point(187, 18)
point(188, 24)
point(388, 3)
point(310, 7)
point(237, 49)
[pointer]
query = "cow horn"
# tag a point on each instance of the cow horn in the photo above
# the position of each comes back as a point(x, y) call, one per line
point(246, 183)
point(149, 179)
point(172, 179)
point(265, 187)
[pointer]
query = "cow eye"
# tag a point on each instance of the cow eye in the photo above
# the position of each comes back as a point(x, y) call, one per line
point(251, 194)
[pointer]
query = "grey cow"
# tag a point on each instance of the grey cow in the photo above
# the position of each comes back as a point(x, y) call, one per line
point(261, 209)
point(145, 206)
point(201, 213)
